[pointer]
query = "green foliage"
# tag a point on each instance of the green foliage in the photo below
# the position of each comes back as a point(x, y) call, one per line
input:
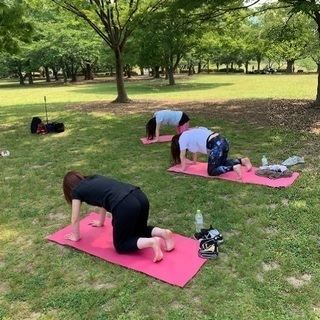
point(14, 27)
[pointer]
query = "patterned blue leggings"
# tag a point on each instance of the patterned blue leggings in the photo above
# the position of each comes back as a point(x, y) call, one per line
point(217, 159)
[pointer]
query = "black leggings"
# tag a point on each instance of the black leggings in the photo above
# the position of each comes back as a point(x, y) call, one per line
point(129, 220)
point(218, 153)
point(184, 119)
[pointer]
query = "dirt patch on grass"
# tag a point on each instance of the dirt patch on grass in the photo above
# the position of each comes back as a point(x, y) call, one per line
point(298, 282)
point(298, 115)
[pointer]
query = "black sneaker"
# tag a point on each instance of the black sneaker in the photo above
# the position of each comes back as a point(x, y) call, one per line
point(208, 249)
point(209, 234)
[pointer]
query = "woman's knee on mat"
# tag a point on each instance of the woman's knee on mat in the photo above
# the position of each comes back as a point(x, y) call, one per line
point(126, 246)
point(217, 171)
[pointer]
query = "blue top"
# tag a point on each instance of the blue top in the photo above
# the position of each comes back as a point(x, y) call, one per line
point(168, 117)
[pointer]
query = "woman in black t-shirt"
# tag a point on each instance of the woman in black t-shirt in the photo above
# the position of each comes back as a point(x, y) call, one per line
point(128, 205)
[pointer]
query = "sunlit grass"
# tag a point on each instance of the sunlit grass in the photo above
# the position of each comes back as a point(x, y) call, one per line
point(269, 265)
point(199, 87)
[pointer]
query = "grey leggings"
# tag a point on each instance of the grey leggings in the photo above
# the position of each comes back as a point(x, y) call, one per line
point(218, 153)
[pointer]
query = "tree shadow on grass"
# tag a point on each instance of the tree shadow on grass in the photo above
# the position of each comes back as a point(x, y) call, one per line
point(297, 115)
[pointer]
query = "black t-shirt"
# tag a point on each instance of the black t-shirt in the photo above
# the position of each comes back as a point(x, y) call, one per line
point(101, 191)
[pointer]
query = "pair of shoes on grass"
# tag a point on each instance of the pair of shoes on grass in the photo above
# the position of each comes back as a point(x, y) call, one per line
point(210, 233)
point(208, 249)
point(209, 243)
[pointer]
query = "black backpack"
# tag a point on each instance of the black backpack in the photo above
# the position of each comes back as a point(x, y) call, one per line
point(34, 124)
point(55, 127)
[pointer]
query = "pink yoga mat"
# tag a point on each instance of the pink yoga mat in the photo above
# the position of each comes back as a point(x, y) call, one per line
point(177, 267)
point(166, 138)
point(200, 169)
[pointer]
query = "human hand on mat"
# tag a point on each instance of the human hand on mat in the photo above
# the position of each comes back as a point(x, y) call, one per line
point(71, 236)
point(102, 217)
point(96, 223)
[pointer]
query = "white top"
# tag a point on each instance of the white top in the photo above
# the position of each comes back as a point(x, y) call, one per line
point(168, 117)
point(195, 140)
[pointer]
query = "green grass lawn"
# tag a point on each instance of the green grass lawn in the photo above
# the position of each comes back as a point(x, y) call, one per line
point(269, 265)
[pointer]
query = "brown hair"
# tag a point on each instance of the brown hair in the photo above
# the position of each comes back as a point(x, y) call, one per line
point(175, 149)
point(71, 179)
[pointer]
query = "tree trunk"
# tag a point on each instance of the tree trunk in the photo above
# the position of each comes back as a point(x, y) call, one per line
point(166, 74)
point(47, 74)
point(88, 74)
point(247, 66)
point(259, 64)
point(55, 73)
point(171, 76)
point(199, 67)
point(21, 78)
point(128, 70)
point(156, 72)
point(290, 64)
point(122, 94)
point(29, 76)
point(317, 102)
point(65, 75)
point(73, 77)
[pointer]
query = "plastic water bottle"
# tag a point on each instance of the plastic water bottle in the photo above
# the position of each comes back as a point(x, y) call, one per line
point(264, 161)
point(199, 221)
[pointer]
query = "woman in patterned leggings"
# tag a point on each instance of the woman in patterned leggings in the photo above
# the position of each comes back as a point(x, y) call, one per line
point(203, 140)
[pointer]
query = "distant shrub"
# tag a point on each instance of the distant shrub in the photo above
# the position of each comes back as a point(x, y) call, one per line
point(230, 70)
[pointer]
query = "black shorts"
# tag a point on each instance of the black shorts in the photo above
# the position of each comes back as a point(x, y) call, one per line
point(184, 119)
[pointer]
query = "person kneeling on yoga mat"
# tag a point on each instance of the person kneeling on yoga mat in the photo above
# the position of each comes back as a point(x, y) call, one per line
point(166, 117)
point(128, 205)
point(203, 140)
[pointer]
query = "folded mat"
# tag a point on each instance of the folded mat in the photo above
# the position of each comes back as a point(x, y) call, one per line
point(166, 138)
point(177, 267)
point(200, 169)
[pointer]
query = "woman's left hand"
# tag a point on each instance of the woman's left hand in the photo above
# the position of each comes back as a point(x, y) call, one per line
point(95, 223)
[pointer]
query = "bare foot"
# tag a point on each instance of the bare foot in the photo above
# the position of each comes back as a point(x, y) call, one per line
point(156, 246)
point(237, 170)
point(168, 239)
point(246, 162)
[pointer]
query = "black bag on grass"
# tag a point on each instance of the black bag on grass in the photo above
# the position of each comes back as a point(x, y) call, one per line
point(34, 124)
point(55, 127)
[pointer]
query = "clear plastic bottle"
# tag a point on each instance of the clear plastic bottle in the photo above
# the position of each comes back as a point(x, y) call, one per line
point(264, 161)
point(199, 221)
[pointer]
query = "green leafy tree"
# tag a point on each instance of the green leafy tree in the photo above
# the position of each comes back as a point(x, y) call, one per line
point(60, 41)
point(114, 21)
point(167, 36)
point(311, 8)
point(14, 28)
point(288, 36)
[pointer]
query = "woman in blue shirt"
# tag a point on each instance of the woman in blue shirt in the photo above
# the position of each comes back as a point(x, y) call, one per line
point(178, 119)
